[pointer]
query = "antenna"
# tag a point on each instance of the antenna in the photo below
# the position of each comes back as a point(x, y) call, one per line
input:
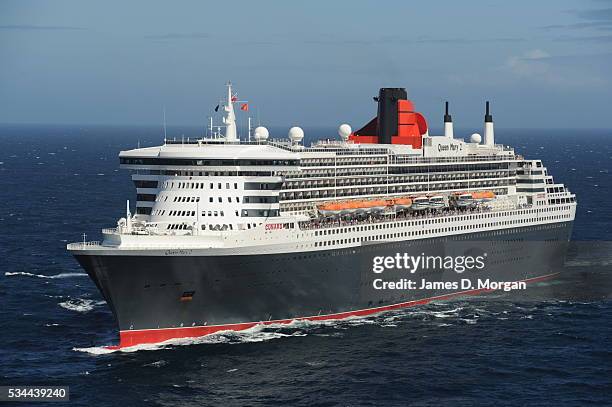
point(128, 217)
point(249, 129)
point(164, 122)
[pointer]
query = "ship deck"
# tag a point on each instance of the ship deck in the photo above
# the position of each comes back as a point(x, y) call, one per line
point(324, 223)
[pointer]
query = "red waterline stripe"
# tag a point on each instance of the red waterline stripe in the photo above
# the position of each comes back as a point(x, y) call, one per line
point(150, 336)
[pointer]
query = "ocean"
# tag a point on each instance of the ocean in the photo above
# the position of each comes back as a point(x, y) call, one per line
point(551, 347)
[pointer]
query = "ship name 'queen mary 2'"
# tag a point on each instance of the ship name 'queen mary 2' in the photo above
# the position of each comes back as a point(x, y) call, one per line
point(229, 233)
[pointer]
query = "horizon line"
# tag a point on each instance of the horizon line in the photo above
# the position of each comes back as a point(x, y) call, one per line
point(276, 126)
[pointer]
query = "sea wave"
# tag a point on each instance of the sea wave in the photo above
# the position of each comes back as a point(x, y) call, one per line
point(157, 364)
point(60, 275)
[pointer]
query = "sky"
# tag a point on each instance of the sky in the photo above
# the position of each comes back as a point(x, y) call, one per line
point(542, 64)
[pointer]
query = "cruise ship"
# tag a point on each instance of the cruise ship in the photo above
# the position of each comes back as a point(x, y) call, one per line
point(229, 231)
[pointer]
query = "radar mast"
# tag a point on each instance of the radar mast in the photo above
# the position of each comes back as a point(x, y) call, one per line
point(231, 134)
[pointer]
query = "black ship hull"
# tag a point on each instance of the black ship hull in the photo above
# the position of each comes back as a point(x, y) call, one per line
point(156, 298)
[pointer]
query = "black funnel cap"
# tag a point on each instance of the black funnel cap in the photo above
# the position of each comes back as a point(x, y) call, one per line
point(488, 116)
point(447, 117)
point(387, 112)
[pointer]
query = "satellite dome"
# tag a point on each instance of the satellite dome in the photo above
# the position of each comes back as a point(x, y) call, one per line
point(344, 131)
point(261, 133)
point(475, 138)
point(296, 134)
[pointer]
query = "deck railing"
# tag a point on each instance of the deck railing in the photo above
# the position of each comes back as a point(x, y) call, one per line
point(410, 216)
point(84, 245)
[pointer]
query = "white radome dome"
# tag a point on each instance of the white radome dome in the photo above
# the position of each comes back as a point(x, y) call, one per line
point(296, 134)
point(261, 133)
point(344, 131)
point(475, 138)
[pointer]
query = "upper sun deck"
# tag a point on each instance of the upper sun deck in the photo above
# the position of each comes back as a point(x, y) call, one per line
point(398, 135)
point(283, 152)
point(210, 150)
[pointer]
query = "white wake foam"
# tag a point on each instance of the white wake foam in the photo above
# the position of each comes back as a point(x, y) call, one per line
point(95, 350)
point(157, 364)
point(257, 333)
point(262, 333)
point(60, 275)
point(80, 304)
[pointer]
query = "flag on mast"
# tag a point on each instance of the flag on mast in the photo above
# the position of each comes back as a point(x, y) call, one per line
point(244, 106)
point(217, 108)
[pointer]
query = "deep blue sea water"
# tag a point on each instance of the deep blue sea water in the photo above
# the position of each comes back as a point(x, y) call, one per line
point(553, 348)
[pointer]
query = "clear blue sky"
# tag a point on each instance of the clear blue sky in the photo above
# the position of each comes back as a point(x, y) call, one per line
point(541, 63)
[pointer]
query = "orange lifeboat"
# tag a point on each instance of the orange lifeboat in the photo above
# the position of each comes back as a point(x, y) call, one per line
point(331, 208)
point(347, 207)
point(483, 195)
point(376, 205)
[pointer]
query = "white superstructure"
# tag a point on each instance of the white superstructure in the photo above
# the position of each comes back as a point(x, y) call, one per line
point(221, 194)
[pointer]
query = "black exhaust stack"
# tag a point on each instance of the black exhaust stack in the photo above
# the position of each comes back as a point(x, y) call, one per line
point(447, 117)
point(387, 112)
